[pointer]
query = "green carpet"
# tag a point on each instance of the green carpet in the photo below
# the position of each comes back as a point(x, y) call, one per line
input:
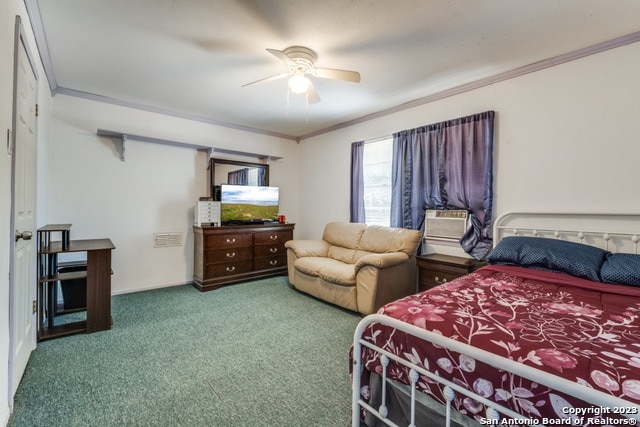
point(252, 354)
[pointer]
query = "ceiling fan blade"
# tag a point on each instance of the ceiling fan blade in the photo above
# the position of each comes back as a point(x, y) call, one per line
point(312, 94)
point(283, 57)
point(331, 73)
point(268, 79)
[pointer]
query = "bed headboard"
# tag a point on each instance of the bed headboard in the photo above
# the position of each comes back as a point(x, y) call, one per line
point(614, 232)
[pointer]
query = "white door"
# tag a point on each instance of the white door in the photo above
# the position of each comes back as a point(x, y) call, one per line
point(23, 267)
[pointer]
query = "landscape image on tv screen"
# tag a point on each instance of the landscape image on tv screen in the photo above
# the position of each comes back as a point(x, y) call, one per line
point(248, 203)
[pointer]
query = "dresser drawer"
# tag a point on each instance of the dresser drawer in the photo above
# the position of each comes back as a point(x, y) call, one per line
point(269, 250)
point(271, 237)
point(218, 256)
point(270, 262)
point(228, 269)
point(431, 278)
point(436, 269)
point(225, 241)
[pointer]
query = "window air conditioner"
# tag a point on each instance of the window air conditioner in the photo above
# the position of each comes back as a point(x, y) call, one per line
point(445, 225)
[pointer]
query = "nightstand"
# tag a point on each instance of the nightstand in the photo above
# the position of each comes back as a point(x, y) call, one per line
point(436, 269)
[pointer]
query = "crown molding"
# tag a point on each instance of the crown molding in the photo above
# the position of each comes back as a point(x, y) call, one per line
point(33, 11)
point(167, 112)
point(36, 24)
point(517, 72)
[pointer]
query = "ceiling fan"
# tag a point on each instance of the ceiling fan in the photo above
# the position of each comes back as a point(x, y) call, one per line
point(299, 62)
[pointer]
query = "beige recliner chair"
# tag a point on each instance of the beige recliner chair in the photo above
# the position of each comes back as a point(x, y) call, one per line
point(355, 266)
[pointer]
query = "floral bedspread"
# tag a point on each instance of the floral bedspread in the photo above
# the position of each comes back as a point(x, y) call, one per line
point(581, 330)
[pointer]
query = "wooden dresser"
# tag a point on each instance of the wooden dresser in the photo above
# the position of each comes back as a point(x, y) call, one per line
point(436, 269)
point(236, 253)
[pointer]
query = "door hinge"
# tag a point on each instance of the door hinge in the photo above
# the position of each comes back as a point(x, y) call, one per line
point(9, 145)
point(35, 306)
point(37, 110)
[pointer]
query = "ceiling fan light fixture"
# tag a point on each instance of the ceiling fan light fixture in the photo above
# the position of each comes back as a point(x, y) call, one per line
point(299, 63)
point(298, 83)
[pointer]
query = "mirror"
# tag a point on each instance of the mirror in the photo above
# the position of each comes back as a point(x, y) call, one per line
point(223, 171)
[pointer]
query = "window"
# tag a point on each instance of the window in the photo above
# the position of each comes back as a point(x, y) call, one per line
point(377, 181)
point(253, 177)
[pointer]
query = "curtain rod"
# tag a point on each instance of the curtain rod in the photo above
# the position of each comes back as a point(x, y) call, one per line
point(378, 139)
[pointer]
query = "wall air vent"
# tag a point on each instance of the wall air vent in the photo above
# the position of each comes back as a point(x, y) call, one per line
point(167, 239)
point(445, 225)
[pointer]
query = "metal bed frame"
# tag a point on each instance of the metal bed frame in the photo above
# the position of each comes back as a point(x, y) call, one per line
point(569, 226)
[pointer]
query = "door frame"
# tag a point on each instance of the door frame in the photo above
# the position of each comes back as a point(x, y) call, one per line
point(20, 42)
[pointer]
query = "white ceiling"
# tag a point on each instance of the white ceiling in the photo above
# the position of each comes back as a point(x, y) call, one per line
point(191, 57)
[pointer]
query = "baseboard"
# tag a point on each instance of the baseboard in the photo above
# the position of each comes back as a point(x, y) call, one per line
point(150, 288)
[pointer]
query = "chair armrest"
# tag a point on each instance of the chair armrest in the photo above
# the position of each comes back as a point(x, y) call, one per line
point(305, 248)
point(385, 260)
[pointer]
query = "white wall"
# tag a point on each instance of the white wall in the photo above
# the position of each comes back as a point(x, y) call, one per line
point(566, 139)
point(153, 190)
point(10, 9)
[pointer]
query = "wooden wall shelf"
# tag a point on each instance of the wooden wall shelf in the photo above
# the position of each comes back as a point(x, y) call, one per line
point(120, 138)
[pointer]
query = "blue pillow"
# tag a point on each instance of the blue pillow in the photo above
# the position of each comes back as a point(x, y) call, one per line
point(622, 269)
point(555, 255)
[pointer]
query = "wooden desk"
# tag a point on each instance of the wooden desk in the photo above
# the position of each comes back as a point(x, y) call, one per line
point(98, 276)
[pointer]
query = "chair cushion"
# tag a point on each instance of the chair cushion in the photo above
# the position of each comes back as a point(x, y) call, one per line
point(341, 254)
point(343, 234)
point(329, 269)
point(381, 240)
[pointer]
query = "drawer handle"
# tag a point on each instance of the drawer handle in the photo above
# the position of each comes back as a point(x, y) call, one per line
point(231, 240)
point(230, 269)
point(440, 281)
point(273, 262)
point(273, 237)
point(231, 255)
point(273, 250)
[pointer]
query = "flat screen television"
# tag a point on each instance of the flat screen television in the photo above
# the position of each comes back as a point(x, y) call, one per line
point(248, 203)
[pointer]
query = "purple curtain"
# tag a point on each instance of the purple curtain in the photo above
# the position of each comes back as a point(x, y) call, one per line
point(357, 183)
point(414, 176)
point(238, 177)
point(262, 177)
point(447, 165)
